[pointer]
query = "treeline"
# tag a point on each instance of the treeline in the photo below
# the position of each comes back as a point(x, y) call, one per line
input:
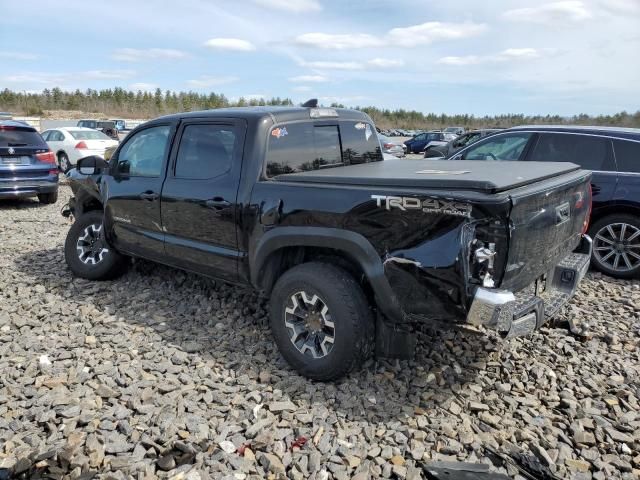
point(118, 102)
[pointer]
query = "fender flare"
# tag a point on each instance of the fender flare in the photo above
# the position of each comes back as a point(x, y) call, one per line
point(356, 246)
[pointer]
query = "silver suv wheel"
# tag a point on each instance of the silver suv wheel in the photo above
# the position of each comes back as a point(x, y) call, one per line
point(309, 323)
point(617, 246)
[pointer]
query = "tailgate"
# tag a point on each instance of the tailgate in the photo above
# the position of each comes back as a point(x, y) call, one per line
point(547, 221)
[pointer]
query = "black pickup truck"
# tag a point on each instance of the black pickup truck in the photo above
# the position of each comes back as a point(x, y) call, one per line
point(352, 250)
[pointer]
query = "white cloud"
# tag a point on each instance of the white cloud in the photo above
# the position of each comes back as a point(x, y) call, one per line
point(234, 44)
point(556, 12)
point(412, 36)
point(18, 55)
point(295, 6)
point(145, 87)
point(137, 55)
point(430, 32)
point(621, 6)
point(330, 41)
point(510, 54)
point(323, 65)
point(309, 79)
point(385, 63)
point(209, 81)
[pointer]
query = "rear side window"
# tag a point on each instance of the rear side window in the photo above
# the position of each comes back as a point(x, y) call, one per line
point(20, 137)
point(88, 135)
point(205, 151)
point(627, 155)
point(359, 143)
point(591, 153)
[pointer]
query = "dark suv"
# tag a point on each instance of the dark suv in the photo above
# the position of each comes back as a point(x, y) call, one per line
point(27, 166)
point(613, 154)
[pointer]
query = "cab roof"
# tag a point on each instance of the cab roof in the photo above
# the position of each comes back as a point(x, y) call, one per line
point(277, 114)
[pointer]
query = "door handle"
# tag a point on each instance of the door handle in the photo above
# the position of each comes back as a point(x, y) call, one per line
point(149, 195)
point(217, 203)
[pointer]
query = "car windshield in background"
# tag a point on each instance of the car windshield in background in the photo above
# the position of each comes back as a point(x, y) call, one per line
point(88, 135)
point(433, 136)
point(106, 125)
point(18, 137)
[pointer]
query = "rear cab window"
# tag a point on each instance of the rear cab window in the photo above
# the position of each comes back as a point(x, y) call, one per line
point(305, 146)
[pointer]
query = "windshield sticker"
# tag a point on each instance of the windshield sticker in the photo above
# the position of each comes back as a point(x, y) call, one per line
point(360, 126)
point(367, 132)
point(279, 132)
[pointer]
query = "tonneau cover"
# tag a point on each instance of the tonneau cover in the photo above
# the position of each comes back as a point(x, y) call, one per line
point(487, 176)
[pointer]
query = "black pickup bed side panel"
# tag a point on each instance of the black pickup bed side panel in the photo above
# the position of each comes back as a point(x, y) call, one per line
point(490, 177)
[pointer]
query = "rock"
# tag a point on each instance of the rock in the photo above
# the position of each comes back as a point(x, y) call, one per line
point(617, 436)
point(166, 462)
point(577, 465)
point(90, 340)
point(227, 446)
point(271, 462)
point(478, 407)
point(397, 460)
point(585, 438)
point(277, 407)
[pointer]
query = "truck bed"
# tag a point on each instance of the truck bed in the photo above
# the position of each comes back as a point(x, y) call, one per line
point(484, 176)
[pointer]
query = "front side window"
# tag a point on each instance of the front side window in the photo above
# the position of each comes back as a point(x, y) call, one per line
point(589, 152)
point(144, 152)
point(627, 155)
point(503, 147)
point(205, 151)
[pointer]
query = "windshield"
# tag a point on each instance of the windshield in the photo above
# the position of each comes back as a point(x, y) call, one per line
point(88, 135)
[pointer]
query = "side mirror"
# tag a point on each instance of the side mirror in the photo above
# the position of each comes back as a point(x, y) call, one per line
point(91, 165)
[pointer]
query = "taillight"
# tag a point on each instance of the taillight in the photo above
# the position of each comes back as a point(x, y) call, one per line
point(589, 200)
point(81, 146)
point(388, 145)
point(46, 157)
point(6, 127)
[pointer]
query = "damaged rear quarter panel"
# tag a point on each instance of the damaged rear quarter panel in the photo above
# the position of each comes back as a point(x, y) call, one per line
point(424, 251)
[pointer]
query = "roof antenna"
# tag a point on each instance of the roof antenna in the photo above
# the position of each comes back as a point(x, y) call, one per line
point(313, 103)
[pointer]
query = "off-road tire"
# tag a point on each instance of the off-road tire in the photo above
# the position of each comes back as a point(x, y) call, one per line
point(48, 198)
point(110, 266)
point(633, 222)
point(349, 310)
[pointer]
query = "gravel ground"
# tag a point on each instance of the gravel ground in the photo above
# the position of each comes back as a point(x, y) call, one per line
point(163, 374)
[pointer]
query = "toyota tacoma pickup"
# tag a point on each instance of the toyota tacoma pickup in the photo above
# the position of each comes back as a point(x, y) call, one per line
point(352, 251)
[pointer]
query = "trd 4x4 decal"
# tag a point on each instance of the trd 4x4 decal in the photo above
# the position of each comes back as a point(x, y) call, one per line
point(429, 205)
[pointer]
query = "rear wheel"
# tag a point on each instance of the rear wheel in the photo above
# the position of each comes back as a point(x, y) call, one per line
point(87, 253)
point(616, 245)
point(63, 162)
point(48, 198)
point(321, 321)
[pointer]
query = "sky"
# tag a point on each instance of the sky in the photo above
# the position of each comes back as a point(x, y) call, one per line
point(483, 58)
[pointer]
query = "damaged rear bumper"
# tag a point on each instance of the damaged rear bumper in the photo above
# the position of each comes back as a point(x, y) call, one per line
point(516, 314)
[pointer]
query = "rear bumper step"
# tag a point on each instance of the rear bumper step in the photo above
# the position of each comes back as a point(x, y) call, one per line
point(517, 315)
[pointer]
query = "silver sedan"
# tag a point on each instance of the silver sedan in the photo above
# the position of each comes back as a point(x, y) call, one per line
point(391, 147)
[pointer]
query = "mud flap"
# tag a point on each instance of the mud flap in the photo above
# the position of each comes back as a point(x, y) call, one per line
point(393, 340)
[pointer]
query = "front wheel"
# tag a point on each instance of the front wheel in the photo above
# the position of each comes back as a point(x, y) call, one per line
point(616, 245)
point(63, 162)
point(321, 321)
point(87, 253)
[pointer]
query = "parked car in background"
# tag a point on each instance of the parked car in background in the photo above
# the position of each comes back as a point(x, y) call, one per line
point(455, 130)
point(418, 143)
point(72, 143)
point(6, 115)
point(27, 166)
point(613, 154)
point(108, 127)
point(445, 150)
point(390, 146)
point(119, 123)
